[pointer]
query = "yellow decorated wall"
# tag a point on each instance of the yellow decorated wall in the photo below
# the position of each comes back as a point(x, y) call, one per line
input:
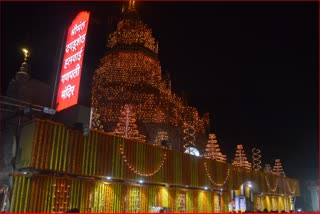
point(73, 171)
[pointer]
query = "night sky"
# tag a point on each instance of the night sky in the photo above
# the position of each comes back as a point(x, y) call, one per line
point(253, 66)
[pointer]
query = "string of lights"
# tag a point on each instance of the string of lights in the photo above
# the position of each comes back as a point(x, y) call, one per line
point(161, 136)
point(240, 159)
point(269, 186)
point(213, 151)
point(127, 124)
point(189, 135)
point(135, 170)
point(256, 159)
point(290, 189)
point(210, 178)
point(133, 31)
point(277, 168)
point(131, 74)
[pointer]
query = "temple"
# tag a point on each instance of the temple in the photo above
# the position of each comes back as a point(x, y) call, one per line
point(146, 150)
point(130, 74)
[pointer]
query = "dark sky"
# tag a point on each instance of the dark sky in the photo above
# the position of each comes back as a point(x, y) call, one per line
point(253, 66)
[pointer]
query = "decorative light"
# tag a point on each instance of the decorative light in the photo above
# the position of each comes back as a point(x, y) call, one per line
point(61, 195)
point(206, 188)
point(127, 126)
point(292, 191)
point(26, 53)
point(189, 135)
point(249, 185)
point(108, 178)
point(95, 120)
point(141, 181)
point(131, 73)
point(210, 178)
point(268, 184)
point(161, 136)
point(240, 159)
point(256, 159)
point(277, 168)
point(213, 151)
point(134, 170)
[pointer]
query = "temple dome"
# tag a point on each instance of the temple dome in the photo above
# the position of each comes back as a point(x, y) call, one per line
point(132, 31)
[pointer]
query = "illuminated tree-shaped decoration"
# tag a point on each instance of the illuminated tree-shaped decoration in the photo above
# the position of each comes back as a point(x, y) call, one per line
point(277, 168)
point(213, 151)
point(162, 136)
point(95, 120)
point(127, 124)
point(189, 135)
point(256, 159)
point(267, 168)
point(240, 159)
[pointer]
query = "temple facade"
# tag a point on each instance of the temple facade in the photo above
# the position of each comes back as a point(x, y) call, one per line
point(60, 169)
point(133, 158)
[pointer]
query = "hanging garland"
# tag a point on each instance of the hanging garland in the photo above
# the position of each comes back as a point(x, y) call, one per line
point(134, 170)
point(289, 188)
point(210, 178)
point(268, 184)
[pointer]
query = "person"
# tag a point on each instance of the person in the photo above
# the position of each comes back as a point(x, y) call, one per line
point(265, 210)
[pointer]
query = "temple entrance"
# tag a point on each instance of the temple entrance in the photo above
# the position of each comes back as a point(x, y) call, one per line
point(242, 199)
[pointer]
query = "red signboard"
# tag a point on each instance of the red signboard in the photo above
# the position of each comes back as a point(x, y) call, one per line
point(69, 82)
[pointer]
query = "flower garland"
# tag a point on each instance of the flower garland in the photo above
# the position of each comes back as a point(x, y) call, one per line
point(210, 178)
point(268, 184)
point(134, 170)
point(289, 188)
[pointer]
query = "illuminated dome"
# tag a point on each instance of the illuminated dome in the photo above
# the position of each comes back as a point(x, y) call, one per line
point(133, 32)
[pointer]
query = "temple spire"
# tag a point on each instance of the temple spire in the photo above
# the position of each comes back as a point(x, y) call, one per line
point(132, 6)
point(23, 73)
point(26, 54)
